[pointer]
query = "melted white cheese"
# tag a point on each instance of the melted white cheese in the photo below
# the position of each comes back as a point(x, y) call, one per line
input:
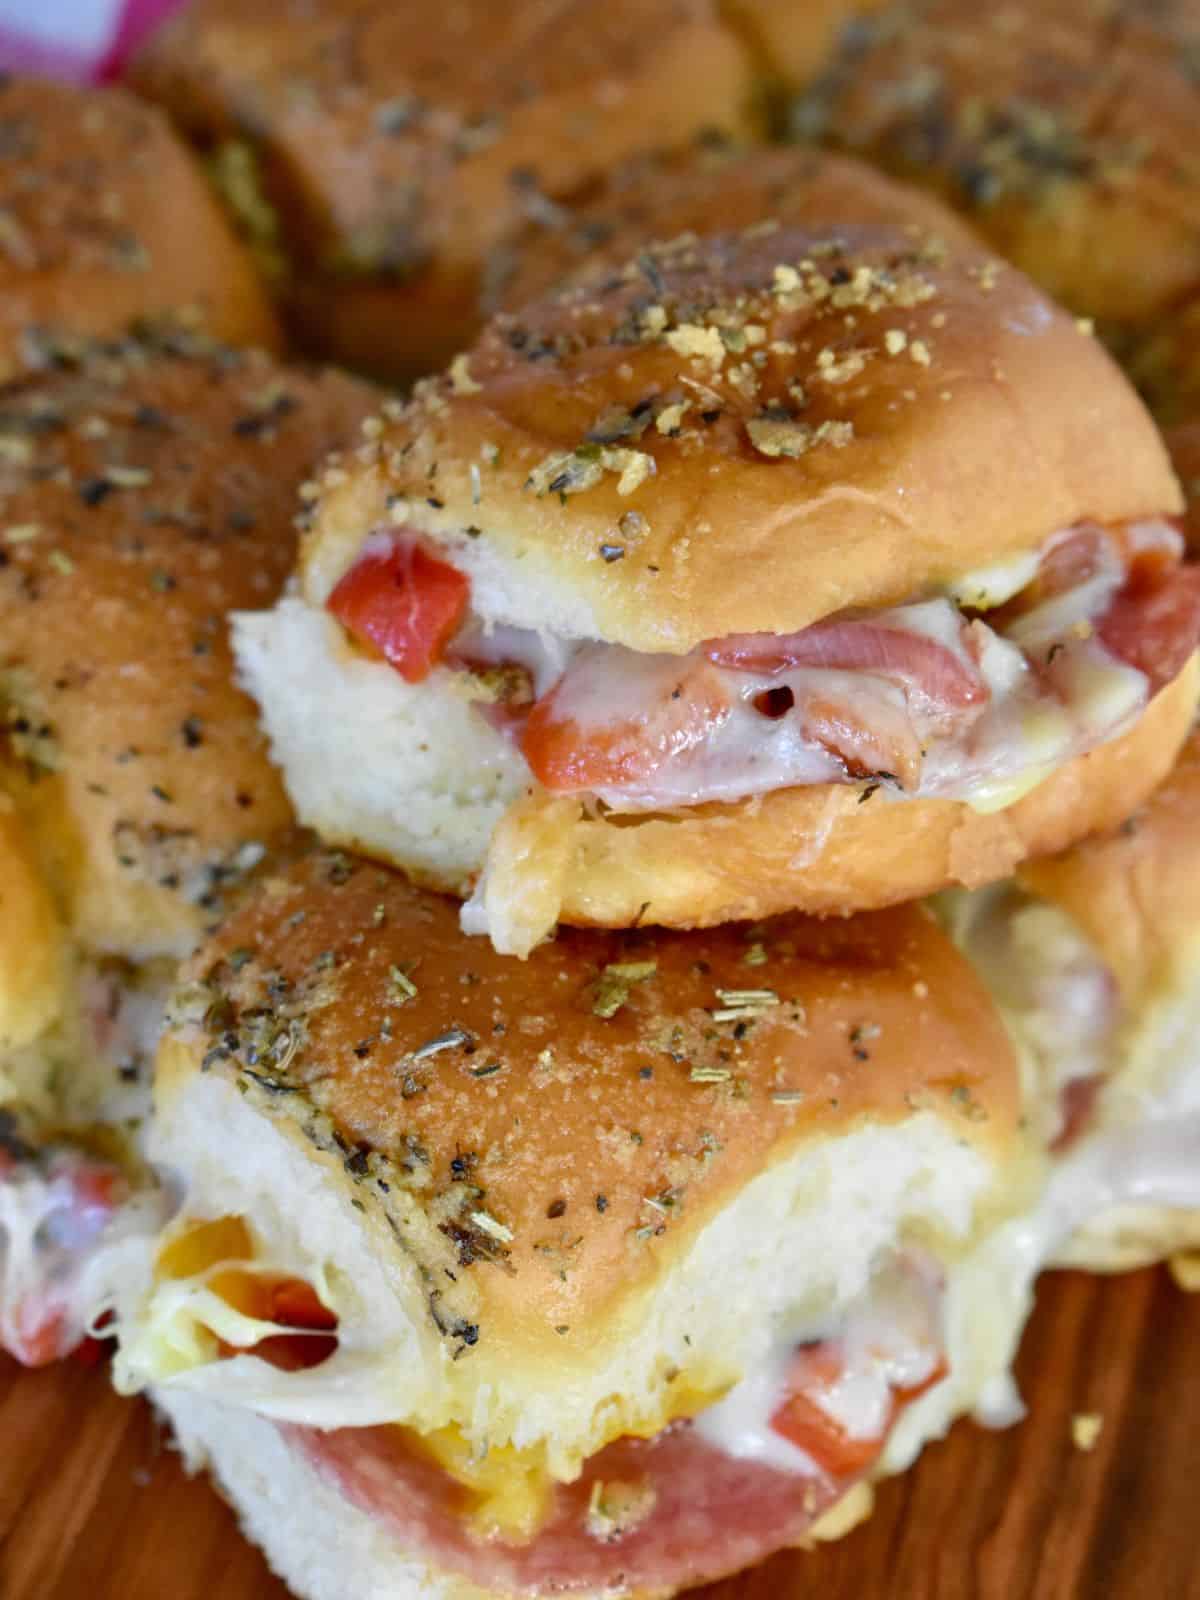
point(64, 1255)
point(987, 754)
point(886, 1342)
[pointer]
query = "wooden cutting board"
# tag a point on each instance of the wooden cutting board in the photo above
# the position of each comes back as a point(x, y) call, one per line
point(93, 1505)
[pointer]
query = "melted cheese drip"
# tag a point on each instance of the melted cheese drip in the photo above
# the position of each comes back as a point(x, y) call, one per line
point(887, 1343)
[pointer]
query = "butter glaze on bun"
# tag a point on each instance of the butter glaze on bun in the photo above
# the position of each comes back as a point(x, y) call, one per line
point(144, 495)
point(1064, 133)
point(378, 151)
point(792, 42)
point(740, 434)
point(896, 480)
point(109, 221)
point(708, 187)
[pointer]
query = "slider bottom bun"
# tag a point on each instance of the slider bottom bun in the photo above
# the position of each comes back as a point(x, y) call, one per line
point(1093, 957)
point(320, 1545)
point(412, 775)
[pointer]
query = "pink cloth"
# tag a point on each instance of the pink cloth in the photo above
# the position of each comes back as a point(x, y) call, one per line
point(83, 41)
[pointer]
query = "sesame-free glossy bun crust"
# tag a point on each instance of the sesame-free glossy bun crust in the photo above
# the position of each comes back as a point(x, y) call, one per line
point(107, 222)
point(395, 143)
point(889, 466)
point(1066, 133)
point(707, 187)
point(339, 990)
point(142, 498)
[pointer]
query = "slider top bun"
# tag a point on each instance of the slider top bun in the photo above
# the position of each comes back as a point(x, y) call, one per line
point(1135, 893)
point(1065, 132)
point(757, 430)
point(709, 186)
point(383, 147)
point(107, 221)
point(536, 1148)
point(142, 497)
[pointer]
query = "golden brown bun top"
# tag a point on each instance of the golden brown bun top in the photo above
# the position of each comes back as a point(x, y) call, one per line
point(792, 41)
point(1066, 132)
point(143, 497)
point(31, 966)
point(596, 1104)
point(1184, 444)
point(1136, 892)
point(710, 186)
point(107, 221)
point(750, 432)
point(391, 131)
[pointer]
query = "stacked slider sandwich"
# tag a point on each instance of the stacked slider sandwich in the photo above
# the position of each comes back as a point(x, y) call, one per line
point(702, 591)
point(718, 595)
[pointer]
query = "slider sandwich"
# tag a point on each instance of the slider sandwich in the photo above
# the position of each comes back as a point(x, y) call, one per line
point(1093, 958)
point(812, 569)
point(1065, 133)
point(142, 496)
point(376, 151)
point(707, 187)
point(108, 221)
point(601, 1274)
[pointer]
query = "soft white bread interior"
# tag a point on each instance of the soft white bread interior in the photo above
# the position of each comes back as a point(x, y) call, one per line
point(547, 1198)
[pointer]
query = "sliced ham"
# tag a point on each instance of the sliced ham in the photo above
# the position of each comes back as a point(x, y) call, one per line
point(924, 666)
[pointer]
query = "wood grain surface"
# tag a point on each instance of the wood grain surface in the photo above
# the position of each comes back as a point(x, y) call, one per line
point(94, 1506)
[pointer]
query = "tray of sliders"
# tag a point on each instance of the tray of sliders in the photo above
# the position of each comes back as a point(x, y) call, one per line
point(599, 800)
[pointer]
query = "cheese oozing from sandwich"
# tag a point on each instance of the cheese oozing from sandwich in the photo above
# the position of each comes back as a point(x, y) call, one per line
point(973, 695)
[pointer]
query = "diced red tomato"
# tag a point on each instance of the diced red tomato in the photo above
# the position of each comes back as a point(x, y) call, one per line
point(294, 1304)
point(567, 759)
point(858, 646)
point(97, 1187)
point(404, 602)
point(1153, 624)
point(806, 1423)
point(291, 1303)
